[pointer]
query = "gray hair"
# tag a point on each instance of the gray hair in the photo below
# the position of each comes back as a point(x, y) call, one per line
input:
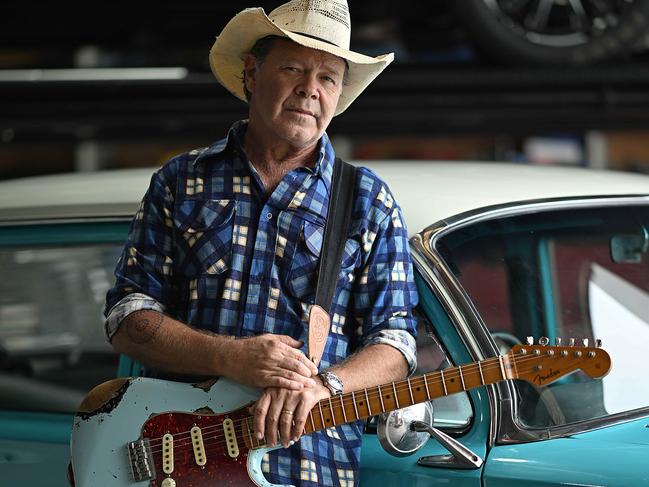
point(261, 49)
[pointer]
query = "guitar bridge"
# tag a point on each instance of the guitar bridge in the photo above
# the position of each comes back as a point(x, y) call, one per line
point(141, 460)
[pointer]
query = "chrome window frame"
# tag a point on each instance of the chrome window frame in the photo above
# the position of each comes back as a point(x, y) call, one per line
point(504, 426)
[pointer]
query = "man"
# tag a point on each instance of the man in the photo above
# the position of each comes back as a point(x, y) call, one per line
point(227, 240)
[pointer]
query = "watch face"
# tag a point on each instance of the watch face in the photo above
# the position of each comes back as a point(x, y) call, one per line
point(333, 382)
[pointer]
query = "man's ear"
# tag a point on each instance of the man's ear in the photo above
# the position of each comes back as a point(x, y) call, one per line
point(250, 70)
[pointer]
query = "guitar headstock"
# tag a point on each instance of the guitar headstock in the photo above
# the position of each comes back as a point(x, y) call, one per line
point(542, 364)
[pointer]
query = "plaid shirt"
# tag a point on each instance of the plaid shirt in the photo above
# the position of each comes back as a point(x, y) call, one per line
point(208, 248)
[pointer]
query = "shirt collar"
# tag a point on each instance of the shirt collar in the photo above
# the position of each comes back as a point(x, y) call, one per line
point(233, 142)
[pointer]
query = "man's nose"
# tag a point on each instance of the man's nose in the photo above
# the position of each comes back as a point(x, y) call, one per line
point(308, 87)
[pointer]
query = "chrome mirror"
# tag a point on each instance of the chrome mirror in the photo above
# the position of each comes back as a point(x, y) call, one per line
point(395, 432)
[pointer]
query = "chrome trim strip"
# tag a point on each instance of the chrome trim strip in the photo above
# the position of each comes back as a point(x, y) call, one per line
point(504, 427)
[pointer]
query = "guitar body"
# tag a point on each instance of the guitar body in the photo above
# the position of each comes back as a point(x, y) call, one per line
point(119, 412)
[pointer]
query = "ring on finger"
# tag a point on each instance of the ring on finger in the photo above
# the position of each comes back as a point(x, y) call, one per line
point(286, 411)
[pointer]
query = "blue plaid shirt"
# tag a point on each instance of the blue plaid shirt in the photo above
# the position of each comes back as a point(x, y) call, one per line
point(208, 248)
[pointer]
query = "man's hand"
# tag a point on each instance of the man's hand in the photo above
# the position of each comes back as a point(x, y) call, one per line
point(284, 413)
point(271, 361)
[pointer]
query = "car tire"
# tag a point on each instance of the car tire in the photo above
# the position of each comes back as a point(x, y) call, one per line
point(507, 40)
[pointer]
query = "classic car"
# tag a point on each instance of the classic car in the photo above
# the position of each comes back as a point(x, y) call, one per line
point(502, 252)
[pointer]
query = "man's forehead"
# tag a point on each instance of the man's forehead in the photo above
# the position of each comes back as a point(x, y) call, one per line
point(289, 48)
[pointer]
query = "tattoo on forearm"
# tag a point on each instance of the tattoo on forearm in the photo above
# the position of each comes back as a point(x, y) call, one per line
point(143, 327)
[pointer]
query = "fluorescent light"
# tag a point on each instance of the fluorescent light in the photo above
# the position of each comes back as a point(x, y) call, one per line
point(93, 74)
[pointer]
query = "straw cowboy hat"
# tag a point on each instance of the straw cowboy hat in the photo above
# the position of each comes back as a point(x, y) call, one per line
point(319, 24)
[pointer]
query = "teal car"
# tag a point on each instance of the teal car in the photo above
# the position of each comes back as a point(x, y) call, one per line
point(502, 253)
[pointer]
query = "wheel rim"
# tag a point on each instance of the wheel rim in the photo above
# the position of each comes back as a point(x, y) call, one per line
point(560, 23)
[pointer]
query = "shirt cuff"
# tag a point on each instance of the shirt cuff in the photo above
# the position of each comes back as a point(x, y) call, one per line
point(127, 305)
point(399, 339)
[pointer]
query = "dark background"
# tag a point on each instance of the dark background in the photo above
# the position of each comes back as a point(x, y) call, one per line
point(447, 96)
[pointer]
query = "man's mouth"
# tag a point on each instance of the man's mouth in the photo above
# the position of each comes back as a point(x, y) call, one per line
point(302, 111)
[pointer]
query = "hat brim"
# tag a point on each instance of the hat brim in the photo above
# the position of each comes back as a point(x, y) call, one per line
point(247, 27)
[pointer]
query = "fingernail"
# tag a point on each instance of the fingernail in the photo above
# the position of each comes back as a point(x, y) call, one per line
point(259, 436)
point(291, 443)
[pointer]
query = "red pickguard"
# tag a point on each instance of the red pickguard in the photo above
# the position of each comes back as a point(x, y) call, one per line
point(220, 468)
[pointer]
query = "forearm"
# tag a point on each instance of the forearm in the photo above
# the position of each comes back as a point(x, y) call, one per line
point(162, 343)
point(370, 366)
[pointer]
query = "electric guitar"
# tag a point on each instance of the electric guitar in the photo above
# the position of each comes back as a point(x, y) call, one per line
point(148, 432)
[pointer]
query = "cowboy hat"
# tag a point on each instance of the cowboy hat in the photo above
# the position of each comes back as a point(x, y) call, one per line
point(319, 24)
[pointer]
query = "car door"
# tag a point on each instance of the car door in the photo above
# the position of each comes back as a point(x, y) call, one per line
point(464, 416)
point(52, 345)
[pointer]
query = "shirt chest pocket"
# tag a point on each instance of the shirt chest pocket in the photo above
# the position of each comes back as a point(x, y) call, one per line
point(204, 236)
point(303, 268)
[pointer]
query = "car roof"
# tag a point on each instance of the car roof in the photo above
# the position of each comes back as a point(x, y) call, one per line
point(427, 191)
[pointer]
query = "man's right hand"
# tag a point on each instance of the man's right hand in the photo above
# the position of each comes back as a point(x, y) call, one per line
point(270, 361)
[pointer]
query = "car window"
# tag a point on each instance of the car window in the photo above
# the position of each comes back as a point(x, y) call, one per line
point(574, 273)
point(52, 346)
point(455, 410)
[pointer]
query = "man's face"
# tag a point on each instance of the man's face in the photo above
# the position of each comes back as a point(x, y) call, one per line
point(294, 92)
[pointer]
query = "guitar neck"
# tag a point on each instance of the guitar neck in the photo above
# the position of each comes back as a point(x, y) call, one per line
point(538, 364)
point(365, 403)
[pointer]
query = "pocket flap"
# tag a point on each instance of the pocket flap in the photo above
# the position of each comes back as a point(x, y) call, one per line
point(313, 236)
point(195, 216)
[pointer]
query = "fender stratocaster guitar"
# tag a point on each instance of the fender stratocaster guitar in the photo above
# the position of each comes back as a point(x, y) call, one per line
point(147, 432)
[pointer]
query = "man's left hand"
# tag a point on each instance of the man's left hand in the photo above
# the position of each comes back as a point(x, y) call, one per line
point(284, 412)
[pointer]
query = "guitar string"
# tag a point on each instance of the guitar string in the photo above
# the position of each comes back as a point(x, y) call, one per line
point(436, 381)
point(218, 440)
point(453, 373)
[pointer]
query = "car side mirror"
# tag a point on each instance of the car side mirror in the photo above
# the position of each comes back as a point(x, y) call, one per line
point(395, 433)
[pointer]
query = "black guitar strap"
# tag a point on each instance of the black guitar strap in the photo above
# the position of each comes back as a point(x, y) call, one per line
point(339, 215)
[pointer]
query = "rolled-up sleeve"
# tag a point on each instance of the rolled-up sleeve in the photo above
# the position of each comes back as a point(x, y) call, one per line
point(144, 277)
point(386, 292)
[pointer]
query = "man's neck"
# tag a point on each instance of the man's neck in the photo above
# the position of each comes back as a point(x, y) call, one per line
point(273, 159)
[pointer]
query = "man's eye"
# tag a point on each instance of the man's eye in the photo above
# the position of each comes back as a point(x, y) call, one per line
point(292, 69)
point(329, 79)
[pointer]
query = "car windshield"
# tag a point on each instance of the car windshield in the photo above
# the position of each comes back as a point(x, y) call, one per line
point(578, 273)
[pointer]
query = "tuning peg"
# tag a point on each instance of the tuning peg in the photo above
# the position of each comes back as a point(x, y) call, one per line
point(585, 342)
point(557, 341)
point(571, 342)
point(598, 343)
point(543, 341)
point(529, 340)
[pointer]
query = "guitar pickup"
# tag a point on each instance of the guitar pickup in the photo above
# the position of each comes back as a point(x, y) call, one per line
point(199, 448)
point(230, 438)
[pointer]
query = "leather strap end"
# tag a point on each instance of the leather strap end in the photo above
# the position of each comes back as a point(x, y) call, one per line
point(319, 323)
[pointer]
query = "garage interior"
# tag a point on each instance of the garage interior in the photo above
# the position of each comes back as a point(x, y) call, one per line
point(117, 85)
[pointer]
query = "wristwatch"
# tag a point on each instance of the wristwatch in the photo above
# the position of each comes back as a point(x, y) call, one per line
point(331, 382)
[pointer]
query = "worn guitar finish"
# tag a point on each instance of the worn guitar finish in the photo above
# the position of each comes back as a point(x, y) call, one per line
point(140, 431)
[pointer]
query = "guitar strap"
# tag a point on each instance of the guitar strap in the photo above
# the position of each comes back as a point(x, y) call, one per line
point(341, 201)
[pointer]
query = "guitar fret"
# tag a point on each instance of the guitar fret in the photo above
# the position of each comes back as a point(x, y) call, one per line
point(248, 428)
point(381, 398)
point(331, 408)
point(444, 383)
point(354, 403)
point(481, 376)
point(502, 367)
point(396, 399)
point(321, 415)
point(412, 398)
point(312, 422)
point(367, 401)
point(342, 406)
point(461, 378)
point(426, 384)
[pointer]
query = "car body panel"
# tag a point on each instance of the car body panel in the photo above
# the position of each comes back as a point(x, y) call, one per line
point(615, 456)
